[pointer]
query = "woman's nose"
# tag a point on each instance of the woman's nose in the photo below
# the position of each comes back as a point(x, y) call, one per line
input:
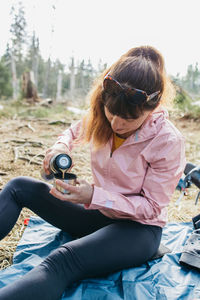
point(116, 122)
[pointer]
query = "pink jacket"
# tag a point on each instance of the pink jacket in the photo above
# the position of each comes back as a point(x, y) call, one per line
point(137, 181)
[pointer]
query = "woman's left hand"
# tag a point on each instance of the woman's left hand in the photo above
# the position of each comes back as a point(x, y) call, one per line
point(81, 193)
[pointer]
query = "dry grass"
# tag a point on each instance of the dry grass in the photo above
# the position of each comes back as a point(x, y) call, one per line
point(14, 130)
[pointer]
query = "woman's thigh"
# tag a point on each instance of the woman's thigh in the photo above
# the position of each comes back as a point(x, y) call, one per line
point(34, 194)
point(120, 245)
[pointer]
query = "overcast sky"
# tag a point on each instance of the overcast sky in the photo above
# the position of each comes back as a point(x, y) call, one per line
point(107, 28)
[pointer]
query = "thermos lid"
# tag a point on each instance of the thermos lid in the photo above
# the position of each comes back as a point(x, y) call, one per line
point(63, 161)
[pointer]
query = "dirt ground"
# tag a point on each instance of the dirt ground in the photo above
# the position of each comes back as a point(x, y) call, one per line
point(23, 143)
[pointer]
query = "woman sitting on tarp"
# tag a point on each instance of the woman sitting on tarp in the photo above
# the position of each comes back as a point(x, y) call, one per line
point(137, 159)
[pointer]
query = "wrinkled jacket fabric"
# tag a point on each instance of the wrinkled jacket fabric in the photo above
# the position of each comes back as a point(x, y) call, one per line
point(137, 181)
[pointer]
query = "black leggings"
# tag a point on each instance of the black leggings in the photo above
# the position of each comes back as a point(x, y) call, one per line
point(102, 245)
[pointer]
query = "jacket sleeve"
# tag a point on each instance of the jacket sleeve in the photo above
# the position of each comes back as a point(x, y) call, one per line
point(163, 173)
point(69, 135)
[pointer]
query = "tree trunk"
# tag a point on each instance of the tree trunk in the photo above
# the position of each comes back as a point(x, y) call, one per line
point(59, 86)
point(35, 69)
point(72, 79)
point(46, 79)
point(14, 77)
point(28, 88)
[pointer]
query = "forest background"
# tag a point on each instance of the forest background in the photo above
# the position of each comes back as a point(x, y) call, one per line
point(22, 62)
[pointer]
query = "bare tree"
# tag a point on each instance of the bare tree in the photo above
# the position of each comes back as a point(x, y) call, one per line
point(59, 86)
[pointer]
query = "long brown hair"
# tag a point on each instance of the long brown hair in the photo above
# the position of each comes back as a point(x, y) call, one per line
point(141, 68)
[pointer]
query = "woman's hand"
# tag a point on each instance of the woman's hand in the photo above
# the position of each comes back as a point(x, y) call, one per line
point(56, 149)
point(81, 193)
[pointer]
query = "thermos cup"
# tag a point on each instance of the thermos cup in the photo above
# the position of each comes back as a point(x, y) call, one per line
point(68, 178)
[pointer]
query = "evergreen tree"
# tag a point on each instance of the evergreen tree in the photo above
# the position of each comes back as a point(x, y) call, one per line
point(5, 80)
point(18, 30)
point(101, 66)
point(18, 40)
point(191, 81)
point(90, 74)
point(80, 82)
point(41, 74)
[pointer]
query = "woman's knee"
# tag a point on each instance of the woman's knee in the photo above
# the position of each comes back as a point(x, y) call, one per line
point(62, 263)
point(17, 182)
point(25, 183)
point(24, 190)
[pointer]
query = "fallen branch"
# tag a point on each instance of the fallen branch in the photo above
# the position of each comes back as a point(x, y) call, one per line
point(59, 122)
point(15, 141)
point(35, 144)
point(27, 142)
point(33, 119)
point(16, 153)
point(28, 126)
point(36, 155)
point(45, 102)
point(30, 161)
point(3, 173)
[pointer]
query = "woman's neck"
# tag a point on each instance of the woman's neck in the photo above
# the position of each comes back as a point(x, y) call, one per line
point(125, 135)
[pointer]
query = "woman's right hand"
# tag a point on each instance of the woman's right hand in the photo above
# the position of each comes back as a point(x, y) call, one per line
point(55, 149)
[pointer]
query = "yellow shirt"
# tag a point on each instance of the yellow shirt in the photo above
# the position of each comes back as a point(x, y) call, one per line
point(117, 142)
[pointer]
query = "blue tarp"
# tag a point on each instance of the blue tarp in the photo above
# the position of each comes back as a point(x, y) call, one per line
point(160, 279)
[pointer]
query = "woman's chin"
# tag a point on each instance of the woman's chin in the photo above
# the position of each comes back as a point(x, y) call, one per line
point(124, 134)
